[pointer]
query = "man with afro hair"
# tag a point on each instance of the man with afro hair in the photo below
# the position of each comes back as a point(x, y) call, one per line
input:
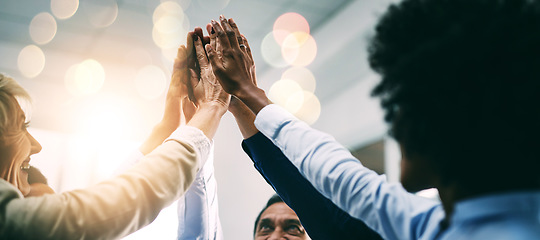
point(460, 84)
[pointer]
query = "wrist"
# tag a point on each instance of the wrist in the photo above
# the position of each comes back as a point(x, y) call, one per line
point(253, 97)
point(166, 126)
point(237, 107)
point(212, 108)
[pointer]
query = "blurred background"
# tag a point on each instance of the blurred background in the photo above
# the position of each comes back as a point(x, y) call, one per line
point(98, 71)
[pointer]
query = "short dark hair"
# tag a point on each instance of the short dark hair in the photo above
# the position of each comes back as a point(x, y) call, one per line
point(461, 87)
point(273, 200)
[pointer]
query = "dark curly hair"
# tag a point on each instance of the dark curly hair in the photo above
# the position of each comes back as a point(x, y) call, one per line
point(461, 87)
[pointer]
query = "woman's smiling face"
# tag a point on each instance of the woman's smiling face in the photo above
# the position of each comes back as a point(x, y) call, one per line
point(16, 147)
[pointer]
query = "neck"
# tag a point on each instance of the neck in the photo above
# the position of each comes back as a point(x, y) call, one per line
point(448, 199)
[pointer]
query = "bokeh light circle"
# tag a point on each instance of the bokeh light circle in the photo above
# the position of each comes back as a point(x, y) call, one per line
point(167, 9)
point(271, 52)
point(299, 49)
point(169, 40)
point(150, 82)
point(31, 61)
point(43, 28)
point(281, 91)
point(303, 76)
point(64, 9)
point(310, 110)
point(85, 78)
point(170, 25)
point(288, 23)
point(101, 13)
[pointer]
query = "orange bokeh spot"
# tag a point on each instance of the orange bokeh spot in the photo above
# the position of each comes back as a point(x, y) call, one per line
point(289, 23)
point(299, 49)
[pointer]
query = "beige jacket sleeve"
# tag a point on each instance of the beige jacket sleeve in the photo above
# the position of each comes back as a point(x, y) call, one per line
point(113, 208)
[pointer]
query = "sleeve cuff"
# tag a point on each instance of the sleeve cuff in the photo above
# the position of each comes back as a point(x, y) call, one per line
point(269, 120)
point(195, 138)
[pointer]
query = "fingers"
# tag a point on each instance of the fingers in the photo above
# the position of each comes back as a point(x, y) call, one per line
point(191, 63)
point(179, 75)
point(201, 54)
point(206, 40)
point(247, 48)
point(213, 40)
point(217, 65)
point(237, 34)
point(221, 35)
point(231, 35)
point(199, 32)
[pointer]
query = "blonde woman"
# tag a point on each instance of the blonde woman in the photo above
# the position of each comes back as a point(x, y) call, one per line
point(116, 207)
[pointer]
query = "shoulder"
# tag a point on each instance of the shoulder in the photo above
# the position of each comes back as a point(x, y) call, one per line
point(8, 191)
point(513, 227)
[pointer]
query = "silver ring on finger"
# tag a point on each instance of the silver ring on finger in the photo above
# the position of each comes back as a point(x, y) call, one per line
point(242, 45)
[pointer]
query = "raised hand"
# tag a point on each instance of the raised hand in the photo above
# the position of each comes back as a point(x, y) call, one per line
point(206, 89)
point(174, 109)
point(232, 62)
point(232, 65)
point(177, 90)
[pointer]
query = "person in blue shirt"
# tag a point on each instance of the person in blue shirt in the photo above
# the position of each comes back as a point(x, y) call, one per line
point(459, 84)
point(320, 217)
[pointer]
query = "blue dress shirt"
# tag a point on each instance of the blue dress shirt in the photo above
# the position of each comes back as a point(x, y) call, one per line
point(321, 218)
point(388, 208)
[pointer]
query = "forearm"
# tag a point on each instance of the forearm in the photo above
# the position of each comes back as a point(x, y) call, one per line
point(329, 221)
point(113, 208)
point(207, 118)
point(159, 133)
point(244, 117)
point(335, 173)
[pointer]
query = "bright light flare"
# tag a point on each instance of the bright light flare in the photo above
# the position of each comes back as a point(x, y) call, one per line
point(167, 9)
point(281, 92)
point(299, 49)
point(271, 52)
point(310, 108)
point(43, 28)
point(31, 61)
point(64, 9)
point(289, 23)
point(303, 76)
point(150, 82)
point(169, 40)
point(85, 78)
point(170, 25)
